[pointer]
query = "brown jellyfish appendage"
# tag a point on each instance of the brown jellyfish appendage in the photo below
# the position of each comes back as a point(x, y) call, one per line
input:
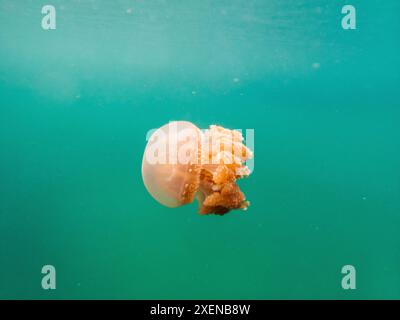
point(223, 156)
point(215, 162)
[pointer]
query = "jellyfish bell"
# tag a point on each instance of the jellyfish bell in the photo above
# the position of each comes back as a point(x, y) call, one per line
point(171, 164)
point(181, 163)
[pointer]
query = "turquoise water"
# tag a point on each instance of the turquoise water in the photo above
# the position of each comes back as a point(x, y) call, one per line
point(76, 104)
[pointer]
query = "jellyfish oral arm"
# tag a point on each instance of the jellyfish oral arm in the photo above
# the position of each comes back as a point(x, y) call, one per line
point(224, 157)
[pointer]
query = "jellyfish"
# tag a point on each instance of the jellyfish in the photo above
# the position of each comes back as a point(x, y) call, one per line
point(181, 163)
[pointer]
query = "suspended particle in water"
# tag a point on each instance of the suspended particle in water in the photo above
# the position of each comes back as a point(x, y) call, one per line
point(316, 65)
point(181, 163)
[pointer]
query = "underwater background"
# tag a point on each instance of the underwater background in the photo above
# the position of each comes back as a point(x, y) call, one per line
point(77, 102)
